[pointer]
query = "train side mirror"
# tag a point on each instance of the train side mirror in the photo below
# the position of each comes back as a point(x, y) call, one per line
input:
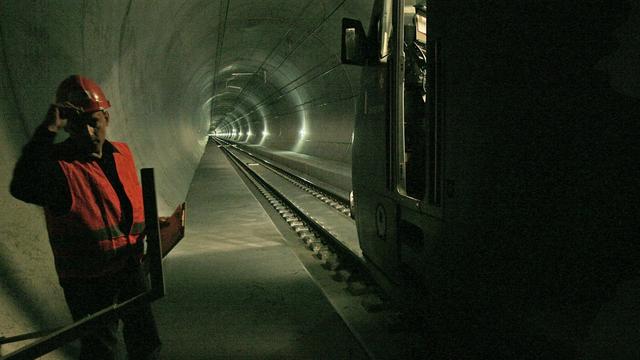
point(354, 42)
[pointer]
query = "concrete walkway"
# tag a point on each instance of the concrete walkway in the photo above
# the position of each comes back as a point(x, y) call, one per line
point(234, 289)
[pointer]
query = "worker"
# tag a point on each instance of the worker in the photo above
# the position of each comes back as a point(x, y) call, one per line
point(94, 213)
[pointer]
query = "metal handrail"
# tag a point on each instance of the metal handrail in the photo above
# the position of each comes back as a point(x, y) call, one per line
point(76, 330)
point(27, 336)
point(55, 338)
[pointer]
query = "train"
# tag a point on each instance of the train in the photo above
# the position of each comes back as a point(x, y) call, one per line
point(495, 164)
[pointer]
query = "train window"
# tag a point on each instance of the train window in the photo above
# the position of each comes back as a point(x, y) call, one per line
point(385, 27)
point(414, 101)
point(421, 26)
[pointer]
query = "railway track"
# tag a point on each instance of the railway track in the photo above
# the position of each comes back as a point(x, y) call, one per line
point(331, 198)
point(320, 220)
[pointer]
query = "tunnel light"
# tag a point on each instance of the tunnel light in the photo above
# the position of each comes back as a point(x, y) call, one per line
point(240, 133)
point(234, 87)
point(264, 74)
point(249, 133)
point(265, 133)
point(302, 133)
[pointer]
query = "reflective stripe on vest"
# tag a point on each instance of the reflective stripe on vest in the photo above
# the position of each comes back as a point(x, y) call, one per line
point(88, 242)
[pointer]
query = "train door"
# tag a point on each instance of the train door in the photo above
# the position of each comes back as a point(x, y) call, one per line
point(417, 134)
point(419, 124)
point(412, 97)
point(372, 162)
point(392, 180)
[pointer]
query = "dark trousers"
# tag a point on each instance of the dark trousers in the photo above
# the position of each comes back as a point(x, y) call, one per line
point(87, 296)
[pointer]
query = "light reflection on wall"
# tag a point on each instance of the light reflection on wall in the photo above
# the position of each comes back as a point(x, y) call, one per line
point(302, 117)
point(265, 126)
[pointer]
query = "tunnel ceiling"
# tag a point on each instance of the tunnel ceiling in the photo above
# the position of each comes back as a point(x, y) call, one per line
point(176, 71)
point(242, 61)
point(271, 59)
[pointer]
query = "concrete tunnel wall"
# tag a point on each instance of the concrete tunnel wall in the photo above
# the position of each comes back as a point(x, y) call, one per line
point(159, 66)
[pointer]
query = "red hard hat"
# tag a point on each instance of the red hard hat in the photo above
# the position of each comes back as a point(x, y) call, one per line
point(83, 93)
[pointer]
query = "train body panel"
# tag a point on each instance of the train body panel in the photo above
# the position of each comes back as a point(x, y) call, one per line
point(509, 191)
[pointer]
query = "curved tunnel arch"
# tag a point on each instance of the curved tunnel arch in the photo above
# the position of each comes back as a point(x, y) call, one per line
point(156, 61)
point(272, 84)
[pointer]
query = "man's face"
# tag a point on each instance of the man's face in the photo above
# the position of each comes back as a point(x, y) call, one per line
point(89, 131)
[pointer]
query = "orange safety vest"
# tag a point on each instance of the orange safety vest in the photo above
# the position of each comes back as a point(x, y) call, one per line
point(87, 241)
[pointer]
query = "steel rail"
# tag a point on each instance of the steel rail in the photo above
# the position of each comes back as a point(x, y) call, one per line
point(316, 237)
point(296, 178)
